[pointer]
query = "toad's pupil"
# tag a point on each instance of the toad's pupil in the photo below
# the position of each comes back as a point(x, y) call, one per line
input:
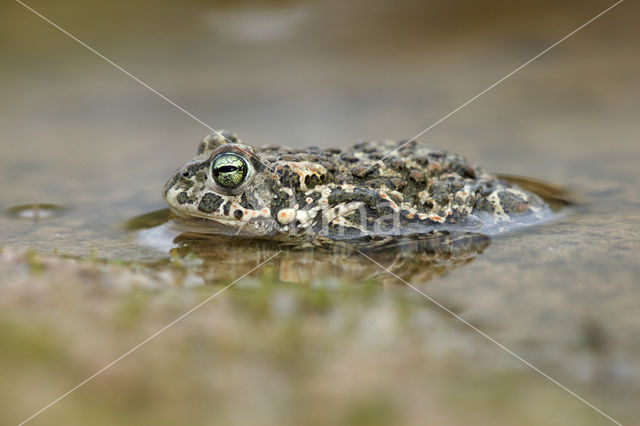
point(226, 169)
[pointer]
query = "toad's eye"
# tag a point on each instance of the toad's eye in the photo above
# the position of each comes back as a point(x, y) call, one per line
point(229, 170)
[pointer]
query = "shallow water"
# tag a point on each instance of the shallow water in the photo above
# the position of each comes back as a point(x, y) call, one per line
point(78, 134)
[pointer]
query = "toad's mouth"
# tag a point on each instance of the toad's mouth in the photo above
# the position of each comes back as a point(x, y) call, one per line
point(207, 224)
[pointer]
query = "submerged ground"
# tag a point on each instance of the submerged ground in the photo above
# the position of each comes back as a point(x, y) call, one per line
point(314, 338)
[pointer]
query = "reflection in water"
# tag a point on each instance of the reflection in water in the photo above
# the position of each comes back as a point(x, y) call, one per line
point(417, 258)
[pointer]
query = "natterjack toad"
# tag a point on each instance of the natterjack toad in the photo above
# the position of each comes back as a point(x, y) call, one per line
point(366, 192)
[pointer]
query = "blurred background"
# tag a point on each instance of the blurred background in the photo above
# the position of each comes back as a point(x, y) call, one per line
point(78, 133)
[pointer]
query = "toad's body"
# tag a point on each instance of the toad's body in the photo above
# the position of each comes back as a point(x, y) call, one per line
point(366, 191)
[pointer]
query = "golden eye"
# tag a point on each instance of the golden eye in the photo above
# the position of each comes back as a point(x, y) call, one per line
point(229, 170)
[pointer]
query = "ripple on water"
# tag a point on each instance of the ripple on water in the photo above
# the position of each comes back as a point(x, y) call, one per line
point(35, 211)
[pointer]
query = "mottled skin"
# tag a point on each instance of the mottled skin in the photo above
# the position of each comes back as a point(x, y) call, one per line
point(317, 195)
